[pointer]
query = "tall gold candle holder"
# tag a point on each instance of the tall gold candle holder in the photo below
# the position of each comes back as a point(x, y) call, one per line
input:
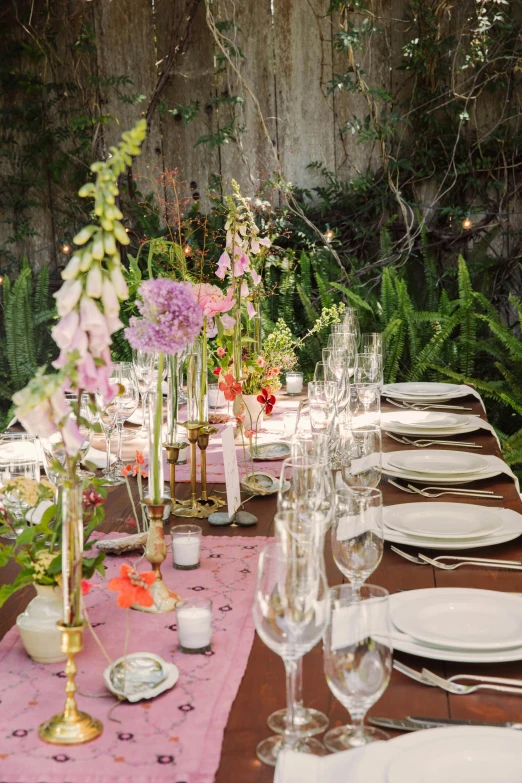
point(164, 600)
point(190, 508)
point(70, 727)
point(202, 507)
point(173, 450)
point(212, 503)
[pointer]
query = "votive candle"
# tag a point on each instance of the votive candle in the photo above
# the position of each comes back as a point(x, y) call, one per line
point(194, 621)
point(186, 546)
point(294, 382)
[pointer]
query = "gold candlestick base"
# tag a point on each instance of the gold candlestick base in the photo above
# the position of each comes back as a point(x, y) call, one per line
point(173, 450)
point(70, 727)
point(164, 600)
point(204, 506)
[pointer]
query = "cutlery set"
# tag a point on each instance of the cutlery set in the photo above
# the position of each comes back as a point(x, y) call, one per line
point(426, 406)
point(511, 565)
point(423, 443)
point(436, 492)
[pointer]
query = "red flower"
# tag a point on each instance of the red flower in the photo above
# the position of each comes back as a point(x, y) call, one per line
point(132, 588)
point(230, 388)
point(91, 499)
point(217, 371)
point(126, 471)
point(140, 459)
point(267, 400)
point(86, 587)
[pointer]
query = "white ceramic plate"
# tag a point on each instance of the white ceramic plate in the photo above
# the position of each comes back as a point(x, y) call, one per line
point(461, 618)
point(433, 420)
point(429, 479)
point(426, 433)
point(422, 389)
point(443, 520)
point(459, 755)
point(438, 462)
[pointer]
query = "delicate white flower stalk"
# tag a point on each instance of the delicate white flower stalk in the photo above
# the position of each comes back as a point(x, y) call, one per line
point(88, 307)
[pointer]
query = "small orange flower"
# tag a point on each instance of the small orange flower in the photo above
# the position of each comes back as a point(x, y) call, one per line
point(230, 387)
point(140, 459)
point(126, 471)
point(86, 587)
point(132, 588)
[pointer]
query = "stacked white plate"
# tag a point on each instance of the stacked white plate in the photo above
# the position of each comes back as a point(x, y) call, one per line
point(437, 466)
point(458, 624)
point(423, 392)
point(427, 424)
point(450, 526)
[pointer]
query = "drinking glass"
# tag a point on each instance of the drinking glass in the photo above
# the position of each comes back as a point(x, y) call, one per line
point(143, 365)
point(54, 456)
point(289, 423)
point(351, 320)
point(361, 455)
point(291, 609)
point(18, 460)
point(343, 340)
point(357, 659)
point(323, 372)
point(372, 342)
point(86, 429)
point(128, 400)
point(321, 403)
point(357, 533)
point(368, 368)
point(107, 415)
point(367, 407)
point(308, 488)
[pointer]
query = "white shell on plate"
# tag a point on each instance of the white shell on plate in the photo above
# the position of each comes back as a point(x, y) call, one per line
point(149, 676)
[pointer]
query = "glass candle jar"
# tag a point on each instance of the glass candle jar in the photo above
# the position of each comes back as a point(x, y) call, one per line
point(186, 546)
point(294, 383)
point(194, 621)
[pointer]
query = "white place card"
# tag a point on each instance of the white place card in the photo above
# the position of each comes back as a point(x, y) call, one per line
point(231, 470)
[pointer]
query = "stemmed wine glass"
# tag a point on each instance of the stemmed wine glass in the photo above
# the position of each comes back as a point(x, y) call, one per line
point(361, 455)
point(357, 533)
point(368, 368)
point(357, 659)
point(291, 608)
point(107, 415)
point(128, 400)
point(143, 365)
point(85, 421)
point(18, 460)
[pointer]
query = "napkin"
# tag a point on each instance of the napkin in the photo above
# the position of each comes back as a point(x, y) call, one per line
point(361, 765)
point(98, 458)
point(495, 463)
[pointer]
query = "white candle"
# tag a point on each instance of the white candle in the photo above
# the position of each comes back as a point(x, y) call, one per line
point(294, 382)
point(186, 544)
point(194, 620)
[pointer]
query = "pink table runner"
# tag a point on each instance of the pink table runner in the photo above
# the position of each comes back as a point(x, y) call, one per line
point(175, 738)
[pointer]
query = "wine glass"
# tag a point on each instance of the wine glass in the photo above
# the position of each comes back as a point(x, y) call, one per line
point(368, 368)
point(107, 416)
point(18, 460)
point(127, 400)
point(361, 455)
point(322, 372)
point(85, 421)
point(372, 342)
point(308, 489)
point(291, 608)
point(357, 533)
point(368, 404)
point(143, 365)
point(357, 659)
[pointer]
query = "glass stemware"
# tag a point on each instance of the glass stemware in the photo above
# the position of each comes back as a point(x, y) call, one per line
point(18, 460)
point(107, 415)
point(127, 400)
point(361, 455)
point(357, 659)
point(143, 365)
point(372, 342)
point(368, 368)
point(291, 608)
point(357, 533)
point(86, 429)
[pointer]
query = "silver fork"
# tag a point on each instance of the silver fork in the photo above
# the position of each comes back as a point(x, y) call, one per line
point(425, 673)
point(467, 493)
point(421, 443)
point(471, 561)
point(462, 559)
point(426, 406)
point(462, 690)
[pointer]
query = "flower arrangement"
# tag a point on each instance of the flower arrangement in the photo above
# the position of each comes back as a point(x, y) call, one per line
point(136, 469)
point(37, 548)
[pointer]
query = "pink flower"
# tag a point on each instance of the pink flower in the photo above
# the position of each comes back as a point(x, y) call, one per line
point(221, 352)
point(230, 387)
point(265, 242)
point(212, 300)
point(118, 281)
point(227, 321)
point(111, 305)
point(39, 420)
point(251, 310)
point(249, 434)
point(241, 264)
point(64, 331)
point(254, 246)
point(244, 289)
point(68, 297)
point(223, 265)
point(93, 286)
point(260, 361)
point(256, 279)
point(60, 405)
point(72, 437)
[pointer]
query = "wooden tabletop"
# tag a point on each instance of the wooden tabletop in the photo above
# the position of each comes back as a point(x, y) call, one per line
point(263, 687)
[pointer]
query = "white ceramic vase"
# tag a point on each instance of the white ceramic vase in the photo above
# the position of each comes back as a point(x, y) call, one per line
point(248, 404)
point(37, 625)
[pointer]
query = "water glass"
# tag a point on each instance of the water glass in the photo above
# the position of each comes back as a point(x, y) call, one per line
point(357, 659)
point(357, 533)
point(127, 400)
point(365, 400)
point(361, 455)
point(372, 342)
point(368, 368)
point(291, 610)
point(143, 362)
point(18, 460)
point(322, 371)
point(289, 423)
point(107, 417)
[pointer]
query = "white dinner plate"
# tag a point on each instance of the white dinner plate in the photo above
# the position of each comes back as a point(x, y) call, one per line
point(443, 520)
point(408, 644)
point(422, 389)
point(438, 462)
point(433, 420)
point(460, 755)
point(461, 618)
point(426, 433)
point(429, 479)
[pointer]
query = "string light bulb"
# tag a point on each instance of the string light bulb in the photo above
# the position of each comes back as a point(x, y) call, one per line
point(467, 223)
point(1, 279)
point(329, 235)
point(187, 250)
point(66, 249)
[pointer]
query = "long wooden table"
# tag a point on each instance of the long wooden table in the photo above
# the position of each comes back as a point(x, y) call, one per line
point(263, 687)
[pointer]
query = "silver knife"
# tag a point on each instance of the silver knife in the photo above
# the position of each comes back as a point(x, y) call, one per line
point(397, 725)
point(432, 722)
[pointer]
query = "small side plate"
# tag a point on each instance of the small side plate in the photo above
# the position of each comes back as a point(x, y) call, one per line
point(268, 452)
point(265, 484)
point(139, 676)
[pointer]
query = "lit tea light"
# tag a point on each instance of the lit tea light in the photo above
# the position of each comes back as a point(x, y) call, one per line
point(294, 382)
point(186, 546)
point(194, 621)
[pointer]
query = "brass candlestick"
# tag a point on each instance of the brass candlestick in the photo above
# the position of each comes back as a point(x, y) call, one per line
point(70, 727)
point(164, 600)
point(190, 508)
point(212, 503)
point(173, 450)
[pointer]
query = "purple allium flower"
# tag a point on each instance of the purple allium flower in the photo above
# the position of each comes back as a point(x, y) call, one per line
point(172, 317)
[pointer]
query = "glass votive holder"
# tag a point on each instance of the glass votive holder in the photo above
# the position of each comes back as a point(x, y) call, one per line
point(294, 383)
point(194, 622)
point(186, 546)
point(216, 398)
point(289, 423)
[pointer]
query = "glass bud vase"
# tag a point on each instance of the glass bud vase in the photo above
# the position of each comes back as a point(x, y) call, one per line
point(155, 488)
point(173, 399)
point(72, 548)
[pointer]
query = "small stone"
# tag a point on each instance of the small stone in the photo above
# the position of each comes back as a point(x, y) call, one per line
point(220, 518)
point(245, 519)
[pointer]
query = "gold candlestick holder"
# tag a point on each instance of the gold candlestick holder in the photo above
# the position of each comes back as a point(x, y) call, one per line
point(173, 450)
point(200, 508)
point(70, 727)
point(164, 600)
point(212, 503)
